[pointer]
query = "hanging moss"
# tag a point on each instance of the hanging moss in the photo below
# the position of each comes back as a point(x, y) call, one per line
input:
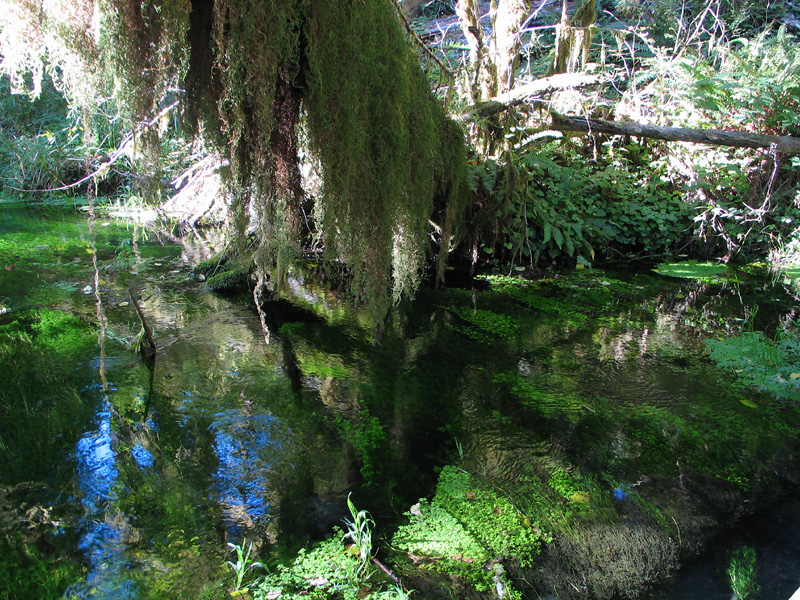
point(379, 137)
point(252, 69)
point(574, 38)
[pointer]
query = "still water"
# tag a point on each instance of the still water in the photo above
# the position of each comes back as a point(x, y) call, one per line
point(226, 437)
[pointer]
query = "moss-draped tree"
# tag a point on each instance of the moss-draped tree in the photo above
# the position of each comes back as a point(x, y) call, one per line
point(248, 72)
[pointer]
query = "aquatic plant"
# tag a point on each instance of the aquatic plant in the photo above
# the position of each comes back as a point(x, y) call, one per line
point(369, 441)
point(742, 573)
point(397, 592)
point(695, 270)
point(359, 531)
point(243, 562)
point(465, 525)
point(771, 365)
point(328, 570)
point(26, 572)
point(432, 533)
point(484, 324)
point(39, 398)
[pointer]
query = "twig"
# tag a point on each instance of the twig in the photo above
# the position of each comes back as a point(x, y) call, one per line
point(394, 577)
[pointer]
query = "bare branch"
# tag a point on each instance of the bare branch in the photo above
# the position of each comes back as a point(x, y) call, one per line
point(738, 139)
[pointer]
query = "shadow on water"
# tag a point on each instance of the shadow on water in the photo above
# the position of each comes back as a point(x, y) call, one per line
point(588, 401)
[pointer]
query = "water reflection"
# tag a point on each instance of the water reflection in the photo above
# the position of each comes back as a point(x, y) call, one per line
point(103, 540)
point(245, 447)
point(236, 448)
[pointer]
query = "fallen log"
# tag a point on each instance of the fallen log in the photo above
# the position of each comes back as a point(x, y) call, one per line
point(526, 94)
point(738, 139)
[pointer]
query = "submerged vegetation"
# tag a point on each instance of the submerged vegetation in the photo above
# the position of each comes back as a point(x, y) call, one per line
point(587, 415)
point(616, 394)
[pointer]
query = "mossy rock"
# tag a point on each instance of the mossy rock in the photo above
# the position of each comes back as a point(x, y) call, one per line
point(228, 280)
point(222, 274)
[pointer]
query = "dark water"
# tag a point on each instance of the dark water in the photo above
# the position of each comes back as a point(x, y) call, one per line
point(225, 436)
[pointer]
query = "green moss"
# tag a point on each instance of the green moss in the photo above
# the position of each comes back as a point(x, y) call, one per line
point(484, 324)
point(386, 147)
point(228, 280)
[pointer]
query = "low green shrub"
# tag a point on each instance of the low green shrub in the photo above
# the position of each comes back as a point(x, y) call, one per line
point(545, 210)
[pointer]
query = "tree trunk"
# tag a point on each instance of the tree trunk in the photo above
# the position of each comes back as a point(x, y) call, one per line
point(413, 8)
point(574, 38)
point(738, 139)
point(482, 82)
point(510, 16)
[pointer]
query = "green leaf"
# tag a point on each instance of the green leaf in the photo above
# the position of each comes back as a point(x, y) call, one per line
point(570, 246)
point(558, 237)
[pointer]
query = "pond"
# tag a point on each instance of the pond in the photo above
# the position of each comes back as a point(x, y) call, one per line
point(564, 437)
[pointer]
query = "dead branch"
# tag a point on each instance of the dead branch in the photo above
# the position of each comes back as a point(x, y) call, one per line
point(737, 139)
point(148, 333)
point(526, 94)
